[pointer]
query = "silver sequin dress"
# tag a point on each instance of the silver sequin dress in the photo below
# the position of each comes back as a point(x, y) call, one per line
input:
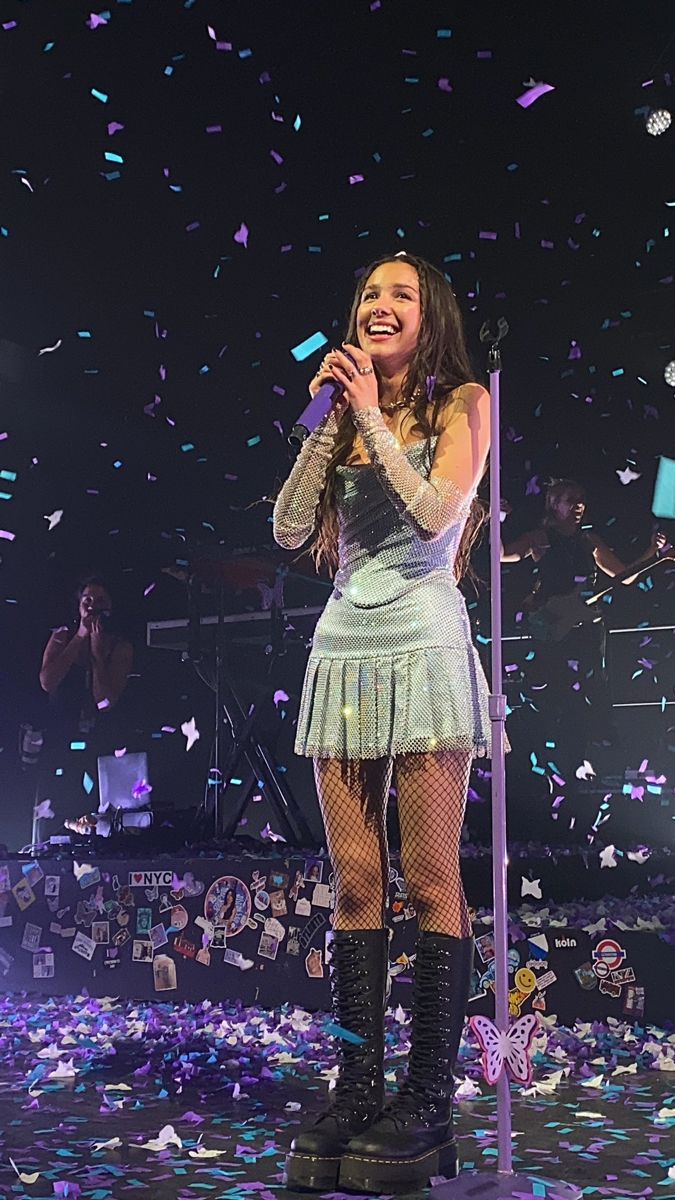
point(392, 669)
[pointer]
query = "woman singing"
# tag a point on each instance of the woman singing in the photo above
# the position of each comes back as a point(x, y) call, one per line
point(393, 686)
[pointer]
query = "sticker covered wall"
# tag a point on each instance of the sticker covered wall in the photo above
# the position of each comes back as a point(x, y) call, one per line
point(259, 930)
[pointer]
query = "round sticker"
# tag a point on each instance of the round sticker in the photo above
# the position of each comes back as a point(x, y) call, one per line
point(526, 980)
point(227, 904)
point(608, 952)
point(601, 969)
point(262, 900)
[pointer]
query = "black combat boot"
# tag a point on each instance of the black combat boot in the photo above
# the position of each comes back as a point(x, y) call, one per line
point(413, 1139)
point(359, 969)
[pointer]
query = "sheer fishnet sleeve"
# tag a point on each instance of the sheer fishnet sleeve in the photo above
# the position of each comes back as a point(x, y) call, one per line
point(430, 506)
point(294, 513)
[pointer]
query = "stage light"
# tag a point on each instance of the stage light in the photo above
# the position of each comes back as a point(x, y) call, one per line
point(658, 121)
point(669, 373)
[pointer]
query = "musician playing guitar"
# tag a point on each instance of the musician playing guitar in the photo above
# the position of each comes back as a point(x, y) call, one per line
point(568, 667)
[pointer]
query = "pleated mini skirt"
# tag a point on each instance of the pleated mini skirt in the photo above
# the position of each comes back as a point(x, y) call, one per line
point(401, 677)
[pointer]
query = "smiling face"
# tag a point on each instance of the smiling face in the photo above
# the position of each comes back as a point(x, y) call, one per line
point(389, 315)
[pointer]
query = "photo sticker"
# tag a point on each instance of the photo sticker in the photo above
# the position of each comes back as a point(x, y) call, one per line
point(228, 904)
point(312, 871)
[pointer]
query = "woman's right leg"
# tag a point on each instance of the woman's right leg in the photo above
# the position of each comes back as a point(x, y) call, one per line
point(353, 800)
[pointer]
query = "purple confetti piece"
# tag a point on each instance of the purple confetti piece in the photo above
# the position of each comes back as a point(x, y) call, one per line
point(533, 93)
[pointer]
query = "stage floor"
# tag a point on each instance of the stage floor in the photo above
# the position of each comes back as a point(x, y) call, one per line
point(237, 1081)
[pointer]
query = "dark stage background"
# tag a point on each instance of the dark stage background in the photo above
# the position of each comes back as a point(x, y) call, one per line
point(187, 191)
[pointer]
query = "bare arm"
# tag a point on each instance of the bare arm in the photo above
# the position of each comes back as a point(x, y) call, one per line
point(520, 548)
point(612, 565)
point(60, 654)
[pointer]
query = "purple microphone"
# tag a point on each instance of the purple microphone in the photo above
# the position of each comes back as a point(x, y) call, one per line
point(314, 413)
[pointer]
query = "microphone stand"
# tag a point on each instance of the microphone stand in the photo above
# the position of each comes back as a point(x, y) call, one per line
point(501, 1184)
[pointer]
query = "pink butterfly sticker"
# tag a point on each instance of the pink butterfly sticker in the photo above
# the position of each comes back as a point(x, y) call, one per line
point(511, 1049)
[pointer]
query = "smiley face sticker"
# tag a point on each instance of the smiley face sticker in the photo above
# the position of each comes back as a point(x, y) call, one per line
point(525, 980)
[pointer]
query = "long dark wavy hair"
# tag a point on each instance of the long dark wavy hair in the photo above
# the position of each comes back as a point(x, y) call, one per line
point(441, 363)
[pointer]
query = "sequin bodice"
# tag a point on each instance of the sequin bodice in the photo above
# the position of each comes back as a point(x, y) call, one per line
point(379, 552)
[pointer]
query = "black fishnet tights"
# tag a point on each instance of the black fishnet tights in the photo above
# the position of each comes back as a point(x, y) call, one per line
point(432, 790)
point(353, 800)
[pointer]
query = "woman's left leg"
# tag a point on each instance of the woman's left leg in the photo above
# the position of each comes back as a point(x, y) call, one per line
point(413, 1138)
point(432, 790)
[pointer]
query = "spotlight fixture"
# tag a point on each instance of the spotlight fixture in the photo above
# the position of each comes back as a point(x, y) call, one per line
point(669, 373)
point(658, 121)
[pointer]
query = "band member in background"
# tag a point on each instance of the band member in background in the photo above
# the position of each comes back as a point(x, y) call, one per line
point(85, 669)
point(85, 662)
point(393, 683)
point(571, 672)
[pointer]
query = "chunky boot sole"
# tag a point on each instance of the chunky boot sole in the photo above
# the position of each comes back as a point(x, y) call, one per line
point(359, 1173)
point(311, 1172)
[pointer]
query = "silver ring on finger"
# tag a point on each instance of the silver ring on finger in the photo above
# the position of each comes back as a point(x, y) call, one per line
point(365, 370)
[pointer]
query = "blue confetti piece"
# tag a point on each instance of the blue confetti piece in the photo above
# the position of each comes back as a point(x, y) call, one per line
point(78, 745)
point(99, 96)
point(254, 440)
point(304, 349)
point(345, 1035)
point(87, 783)
point(110, 157)
point(663, 502)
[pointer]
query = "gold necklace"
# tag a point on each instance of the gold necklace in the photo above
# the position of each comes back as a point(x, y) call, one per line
point(402, 403)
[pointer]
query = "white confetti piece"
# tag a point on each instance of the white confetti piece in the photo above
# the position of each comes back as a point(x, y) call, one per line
point(189, 728)
point(53, 518)
point(23, 1176)
point(167, 1137)
point(111, 1144)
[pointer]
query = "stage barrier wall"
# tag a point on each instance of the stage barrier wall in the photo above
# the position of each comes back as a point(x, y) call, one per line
point(258, 930)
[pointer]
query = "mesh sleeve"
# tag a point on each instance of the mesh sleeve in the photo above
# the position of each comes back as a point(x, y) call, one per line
point(430, 506)
point(294, 513)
